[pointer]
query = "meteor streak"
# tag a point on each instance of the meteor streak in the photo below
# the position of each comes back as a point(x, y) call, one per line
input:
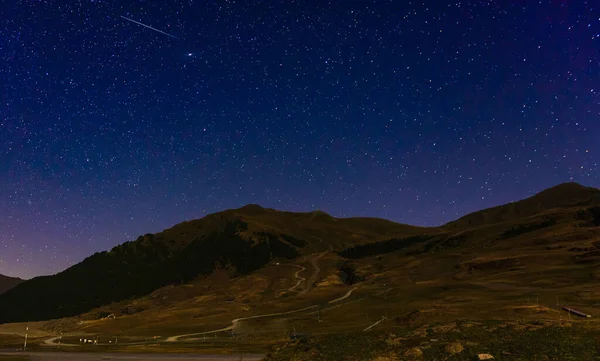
point(149, 27)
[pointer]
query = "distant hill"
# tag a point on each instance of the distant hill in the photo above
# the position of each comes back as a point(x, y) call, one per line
point(6, 283)
point(566, 195)
point(245, 240)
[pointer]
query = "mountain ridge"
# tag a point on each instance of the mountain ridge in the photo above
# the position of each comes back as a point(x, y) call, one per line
point(564, 195)
point(244, 240)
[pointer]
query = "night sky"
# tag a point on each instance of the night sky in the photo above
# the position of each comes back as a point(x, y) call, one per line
point(417, 112)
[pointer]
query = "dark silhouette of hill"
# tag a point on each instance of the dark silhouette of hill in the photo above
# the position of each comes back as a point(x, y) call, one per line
point(566, 195)
point(247, 239)
point(6, 283)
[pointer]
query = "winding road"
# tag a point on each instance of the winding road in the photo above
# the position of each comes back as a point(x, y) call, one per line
point(235, 322)
point(53, 342)
point(300, 278)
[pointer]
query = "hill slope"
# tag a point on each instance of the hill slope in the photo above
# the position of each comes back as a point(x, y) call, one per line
point(6, 283)
point(241, 241)
point(566, 195)
point(518, 240)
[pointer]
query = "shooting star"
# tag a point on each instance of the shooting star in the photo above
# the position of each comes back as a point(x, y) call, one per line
point(149, 27)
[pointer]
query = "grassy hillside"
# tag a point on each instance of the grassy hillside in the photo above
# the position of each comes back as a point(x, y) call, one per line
point(459, 341)
point(200, 274)
point(566, 195)
point(240, 241)
point(6, 283)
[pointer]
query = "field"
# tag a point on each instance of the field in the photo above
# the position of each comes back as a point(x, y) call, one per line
point(514, 341)
point(403, 297)
point(13, 358)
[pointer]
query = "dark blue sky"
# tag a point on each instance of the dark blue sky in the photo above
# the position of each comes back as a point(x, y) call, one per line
point(418, 112)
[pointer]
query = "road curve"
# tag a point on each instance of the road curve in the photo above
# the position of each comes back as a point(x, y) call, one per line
point(53, 341)
point(300, 278)
point(235, 322)
point(344, 296)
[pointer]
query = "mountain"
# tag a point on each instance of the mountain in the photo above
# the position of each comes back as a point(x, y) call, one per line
point(240, 240)
point(566, 195)
point(6, 283)
point(552, 238)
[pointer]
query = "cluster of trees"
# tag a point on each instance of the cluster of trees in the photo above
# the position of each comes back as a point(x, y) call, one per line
point(526, 228)
point(348, 273)
point(590, 216)
point(135, 269)
point(387, 246)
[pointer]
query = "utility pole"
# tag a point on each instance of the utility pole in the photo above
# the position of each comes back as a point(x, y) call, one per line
point(25, 344)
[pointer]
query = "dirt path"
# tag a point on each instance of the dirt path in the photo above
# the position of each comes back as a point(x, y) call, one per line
point(314, 262)
point(53, 341)
point(375, 324)
point(313, 278)
point(235, 322)
point(343, 297)
point(300, 278)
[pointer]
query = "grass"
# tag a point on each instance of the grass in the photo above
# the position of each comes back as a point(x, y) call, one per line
point(13, 358)
point(451, 341)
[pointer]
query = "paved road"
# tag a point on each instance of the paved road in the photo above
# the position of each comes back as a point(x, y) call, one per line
point(76, 356)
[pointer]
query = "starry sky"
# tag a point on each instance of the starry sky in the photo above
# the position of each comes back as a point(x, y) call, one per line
point(415, 111)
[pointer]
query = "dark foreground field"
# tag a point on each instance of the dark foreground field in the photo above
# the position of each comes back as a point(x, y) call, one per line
point(61, 356)
point(456, 341)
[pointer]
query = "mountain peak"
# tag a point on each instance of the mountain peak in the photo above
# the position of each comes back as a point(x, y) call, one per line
point(252, 209)
point(564, 195)
point(252, 206)
point(569, 187)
